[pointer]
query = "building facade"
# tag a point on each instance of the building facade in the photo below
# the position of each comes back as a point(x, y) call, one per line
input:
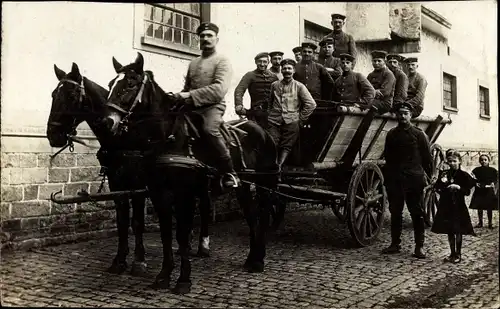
point(457, 52)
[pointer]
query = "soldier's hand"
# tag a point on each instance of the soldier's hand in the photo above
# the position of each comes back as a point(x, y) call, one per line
point(378, 94)
point(454, 186)
point(241, 111)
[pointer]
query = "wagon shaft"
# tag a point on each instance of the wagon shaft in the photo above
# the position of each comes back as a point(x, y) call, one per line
point(315, 193)
point(85, 197)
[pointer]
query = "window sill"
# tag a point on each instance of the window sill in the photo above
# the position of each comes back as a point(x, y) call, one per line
point(450, 109)
point(485, 117)
point(174, 50)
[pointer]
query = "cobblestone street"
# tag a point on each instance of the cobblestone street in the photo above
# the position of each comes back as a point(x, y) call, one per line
point(311, 263)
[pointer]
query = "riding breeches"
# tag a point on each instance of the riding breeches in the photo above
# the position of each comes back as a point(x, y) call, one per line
point(284, 135)
point(212, 120)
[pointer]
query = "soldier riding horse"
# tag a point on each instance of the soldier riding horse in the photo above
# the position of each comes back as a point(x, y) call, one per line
point(167, 139)
point(77, 99)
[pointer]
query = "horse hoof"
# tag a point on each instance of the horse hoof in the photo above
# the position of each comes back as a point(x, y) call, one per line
point(254, 267)
point(182, 288)
point(161, 284)
point(203, 252)
point(138, 269)
point(117, 268)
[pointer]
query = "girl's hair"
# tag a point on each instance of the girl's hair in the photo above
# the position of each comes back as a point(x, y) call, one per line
point(453, 153)
point(485, 155)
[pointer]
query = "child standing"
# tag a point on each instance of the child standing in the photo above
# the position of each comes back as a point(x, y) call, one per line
point(484, 197)
point(452, 216)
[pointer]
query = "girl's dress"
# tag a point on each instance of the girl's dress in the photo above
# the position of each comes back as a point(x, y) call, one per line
point(485, 198)
point(452, 216)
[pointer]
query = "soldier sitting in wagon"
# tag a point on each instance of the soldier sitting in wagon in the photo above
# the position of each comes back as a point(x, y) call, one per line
point(331, 63)
point(383, 81)
point(417, 84)
point(352, 87)
point(290, 105)
point(401, 88)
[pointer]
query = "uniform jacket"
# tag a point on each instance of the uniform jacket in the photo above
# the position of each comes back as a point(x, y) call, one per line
point(316, 78)
point(384, 81)
point(401, 88)
point(344, 43)
point(259, 86)
point(416, 89)
point(208, 79)
point(289, 102)
point(407, 155)
point(332, 63)
point(354, 87)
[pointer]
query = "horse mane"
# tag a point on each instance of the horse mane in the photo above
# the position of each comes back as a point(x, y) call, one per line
point(98, 89)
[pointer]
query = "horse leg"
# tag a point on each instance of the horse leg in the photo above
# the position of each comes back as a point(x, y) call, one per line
point(264, 204)
point(184, 217)
point(204, 207)
point(244, 197)
point(119, 264)
point(139, 264)
point(163, 208)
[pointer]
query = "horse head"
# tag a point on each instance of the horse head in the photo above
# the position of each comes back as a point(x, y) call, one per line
point(67, 102)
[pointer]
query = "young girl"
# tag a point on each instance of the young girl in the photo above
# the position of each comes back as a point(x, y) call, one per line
point(452, 216)
point(484, 197)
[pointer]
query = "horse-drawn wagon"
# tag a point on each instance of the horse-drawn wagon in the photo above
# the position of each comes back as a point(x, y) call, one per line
point(339, 163)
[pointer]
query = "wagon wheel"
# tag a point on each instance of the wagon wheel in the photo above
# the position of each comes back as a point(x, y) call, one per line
point(366, 202)
point(431, 197)
point(340, 210)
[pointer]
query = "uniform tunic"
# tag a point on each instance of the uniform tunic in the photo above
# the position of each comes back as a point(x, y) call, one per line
point(333, 63)
point(485, 198)
point(384, 81)
point(401, 88)
point(258, 84)
point(353, 87)
point(289, 103)
point(344, 43)
point(316, 78)
point(416, 92)
point(452, 216)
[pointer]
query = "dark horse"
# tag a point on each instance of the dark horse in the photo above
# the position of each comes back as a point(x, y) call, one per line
point(142, 111)
point(77, 99)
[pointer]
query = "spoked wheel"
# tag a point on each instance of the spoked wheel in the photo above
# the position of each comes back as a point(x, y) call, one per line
point(431, 197)
point(340, 210)
point(366, 203)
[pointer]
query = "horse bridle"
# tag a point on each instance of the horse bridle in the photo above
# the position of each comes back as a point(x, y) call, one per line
point(71, 135)
point(137, 100)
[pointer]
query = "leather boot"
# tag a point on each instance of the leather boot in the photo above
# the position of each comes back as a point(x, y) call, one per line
point(393, 248)
point(281, 159)
point(419, 234)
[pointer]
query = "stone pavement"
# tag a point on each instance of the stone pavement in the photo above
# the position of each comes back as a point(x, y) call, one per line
point(311, 263)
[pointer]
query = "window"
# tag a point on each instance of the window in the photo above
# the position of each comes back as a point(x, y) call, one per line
point(314, 33)
point(450, 92)
point(173, 25)
point(484, 102)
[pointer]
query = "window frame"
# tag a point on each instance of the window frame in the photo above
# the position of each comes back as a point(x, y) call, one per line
point(485, 115)
point(453, 85)
point(169, 48)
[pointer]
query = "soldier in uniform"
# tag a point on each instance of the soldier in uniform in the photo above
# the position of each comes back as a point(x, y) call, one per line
point(275, 68)
point(290, 106)
point(416, 87)
point(383, 81)
point(408, 158)
point(207, 82)
point(313, 75)
point(258, 82)
point(352, 86)
point(344, 43)
point(400, 90)
point(297, 51)
point(331, 63)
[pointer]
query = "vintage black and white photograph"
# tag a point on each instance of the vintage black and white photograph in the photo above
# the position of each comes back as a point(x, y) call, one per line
point(249, 155)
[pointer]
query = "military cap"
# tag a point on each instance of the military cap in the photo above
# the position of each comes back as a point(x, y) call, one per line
point(309, 45)
point(346, 56)
point(394, 56)
point(403, 105)
point(288, 61)
point(276, 53)
point(322, 43)
point(379, 54)
point(329, 41)
point(338, 16)
point(297, 49)
point(207, 26)
point(411, 59)
point(261, 55)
